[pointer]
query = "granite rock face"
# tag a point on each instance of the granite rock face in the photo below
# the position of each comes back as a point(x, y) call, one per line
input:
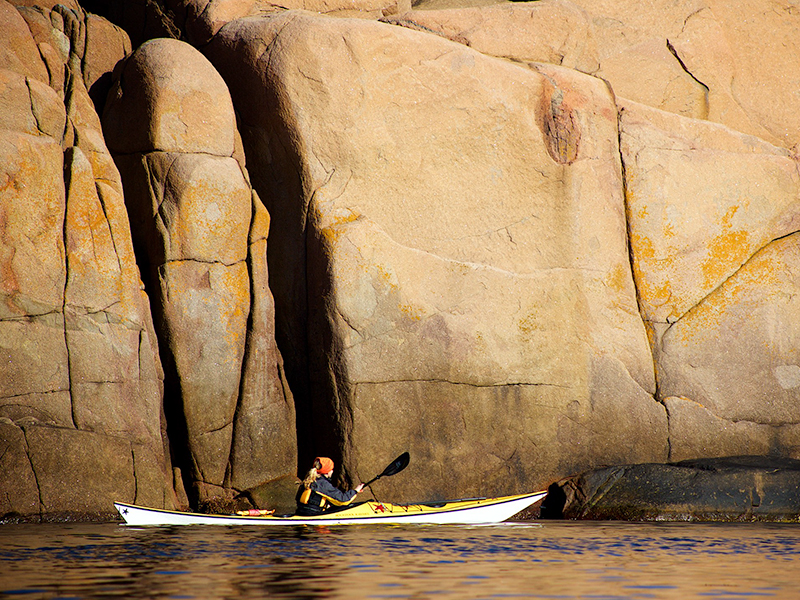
point(462, 266)
point(200, 232)
point(550, 31)
point(80, 390)
point(716, 269)
point(518, 240)
point(730, 63)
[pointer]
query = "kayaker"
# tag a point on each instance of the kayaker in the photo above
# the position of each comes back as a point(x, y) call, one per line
point(317, 494)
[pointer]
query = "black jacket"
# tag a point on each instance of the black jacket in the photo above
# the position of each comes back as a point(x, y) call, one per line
point(321, 497)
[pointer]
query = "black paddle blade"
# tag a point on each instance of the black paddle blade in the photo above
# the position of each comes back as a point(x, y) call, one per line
point(400, 463)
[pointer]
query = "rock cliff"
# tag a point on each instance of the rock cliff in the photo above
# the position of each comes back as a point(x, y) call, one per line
point(520, 240)
point(81, 385)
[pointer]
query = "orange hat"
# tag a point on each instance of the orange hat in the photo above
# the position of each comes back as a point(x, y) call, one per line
point(326, 465)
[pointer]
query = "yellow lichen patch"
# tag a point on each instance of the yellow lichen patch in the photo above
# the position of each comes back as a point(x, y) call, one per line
point(385, 277)
point(529, 324)
point(337, 224)
point(759, 273)
point(617, 278)
point(642, 246)
point(411, 312)
point(728, 216)
point(653, 288)
point(726, 253)
point(657, 295)
point(330, 234)
point(344, 218)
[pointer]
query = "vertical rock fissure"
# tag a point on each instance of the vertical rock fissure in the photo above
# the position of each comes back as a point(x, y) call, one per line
point(108, 223)
point(33, 470)
point(628, 238)
point(135, 479)
point(64, 234)
point(246, 357)
point(669, 431)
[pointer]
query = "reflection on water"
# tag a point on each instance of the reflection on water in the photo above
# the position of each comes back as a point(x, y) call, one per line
point(559, 560)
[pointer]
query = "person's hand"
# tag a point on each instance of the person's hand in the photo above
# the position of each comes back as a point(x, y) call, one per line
point(359, 487)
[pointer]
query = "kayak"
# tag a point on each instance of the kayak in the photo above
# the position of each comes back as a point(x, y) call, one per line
point(473, 511)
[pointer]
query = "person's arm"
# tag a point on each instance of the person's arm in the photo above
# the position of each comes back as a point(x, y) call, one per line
point(334, 495)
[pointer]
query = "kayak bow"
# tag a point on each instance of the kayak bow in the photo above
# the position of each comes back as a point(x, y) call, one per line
point(476, 511)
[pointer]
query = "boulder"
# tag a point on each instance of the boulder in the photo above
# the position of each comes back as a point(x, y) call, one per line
point(738, 488)
point(205, 17)
point(165, 99)
point(449, 255)
point(201, 235)
point(193, 232)
point(713, 216)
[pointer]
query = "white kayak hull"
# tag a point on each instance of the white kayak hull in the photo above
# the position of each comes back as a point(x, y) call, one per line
point(469, 512)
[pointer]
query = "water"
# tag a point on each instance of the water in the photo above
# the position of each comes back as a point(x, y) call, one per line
point(553, 560)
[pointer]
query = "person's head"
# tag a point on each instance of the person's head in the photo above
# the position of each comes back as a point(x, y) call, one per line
point(322, 466)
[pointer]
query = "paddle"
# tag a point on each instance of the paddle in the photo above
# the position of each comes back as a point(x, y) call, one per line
point(400, 463)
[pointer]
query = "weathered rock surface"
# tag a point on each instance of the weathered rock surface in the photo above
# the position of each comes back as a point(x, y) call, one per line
point(80, 395)
point(278, 495)
point(464, 263)
point(697, 431)
point(716, 265)
point(738, 488)
point(550, 31)
point(201, 235)
point(478, 253)
point(197, 21)
point(741, 60)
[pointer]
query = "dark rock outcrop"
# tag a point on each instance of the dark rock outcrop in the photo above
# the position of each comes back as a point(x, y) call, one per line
point(739, 488)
